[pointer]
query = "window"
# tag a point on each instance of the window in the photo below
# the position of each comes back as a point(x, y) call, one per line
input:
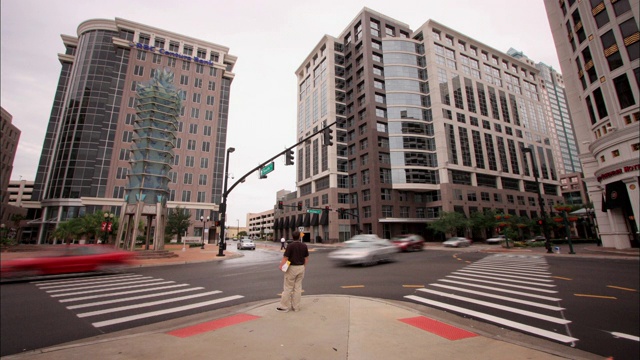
point(600, 104)
point(184, 80)
point(629, 31)
point(204, 163)
point(599, 12)
point(624, 92)
point(211, 86)
point(210, 100)
point(196, 98)
point(197, 83)
point(138, 70)
point(611, 51)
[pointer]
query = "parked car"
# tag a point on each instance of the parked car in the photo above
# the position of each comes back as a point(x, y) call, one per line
point(246, 243)
point(537, 239)
point(457, 242)
point(66, 259)
point(496, 240)
point(364, 249)
point(409, 242)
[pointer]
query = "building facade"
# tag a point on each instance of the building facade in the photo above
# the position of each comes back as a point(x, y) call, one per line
point(598, 45)
point(86, 155)
point(9, 137)
point(259, 225)
point(427, 121)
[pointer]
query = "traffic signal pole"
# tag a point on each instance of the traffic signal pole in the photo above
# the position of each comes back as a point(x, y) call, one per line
point(287, 152)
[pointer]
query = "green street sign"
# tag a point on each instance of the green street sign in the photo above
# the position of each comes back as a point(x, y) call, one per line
point(267, 169)
point(314, 211)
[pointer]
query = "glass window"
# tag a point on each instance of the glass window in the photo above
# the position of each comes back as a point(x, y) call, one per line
point(611, 50)
point(623, 90)
point(600, 104)
point(629, 31)
point(621, 6)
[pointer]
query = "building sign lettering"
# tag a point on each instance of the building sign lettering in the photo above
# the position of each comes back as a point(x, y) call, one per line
point(619, 171)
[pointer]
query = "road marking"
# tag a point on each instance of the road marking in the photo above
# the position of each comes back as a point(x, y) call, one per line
point(625, 336)
point(436, 327)
point(121, 293)
point(481, 293)
point(509, 280)
point(505, 275)
point(109, 289)
point(352, 286)
point(163, 312)
point(561, 278)
point(501, 307)
point(506, 268)
point(503, 284)
point(92, 280)
point(412, 286)
point(621, 288)
point(542, 297)
point(119, 282)
point(98, 303)
point(497, 320)
point(147, 304)
point(597, 296)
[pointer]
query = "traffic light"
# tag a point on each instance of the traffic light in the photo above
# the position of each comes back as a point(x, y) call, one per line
point(328, 138)
point(299, 205)
point(540, 222)
point(340, 211)
point(327, 209)
point(288, 157)
point(280, 205)
point(217, 223)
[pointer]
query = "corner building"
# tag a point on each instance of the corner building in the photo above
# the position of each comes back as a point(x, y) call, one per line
point(428, 121)
point(85, 157)
point(598, 45)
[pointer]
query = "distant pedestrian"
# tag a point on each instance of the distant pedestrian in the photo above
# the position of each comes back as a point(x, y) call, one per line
point(283, 243)
point(297, 254)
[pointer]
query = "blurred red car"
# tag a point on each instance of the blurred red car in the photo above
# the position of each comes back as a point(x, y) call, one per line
point(67, 259)
point(409, 242)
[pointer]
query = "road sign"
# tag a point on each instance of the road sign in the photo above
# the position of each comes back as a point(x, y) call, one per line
point(266, 169)
point(301, 228)
point(314, 211)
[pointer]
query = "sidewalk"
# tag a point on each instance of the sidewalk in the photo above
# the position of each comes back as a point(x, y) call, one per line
point(327, 327)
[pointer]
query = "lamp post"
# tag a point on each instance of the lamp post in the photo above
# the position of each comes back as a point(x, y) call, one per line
point(106, 225)
point(237, 228)
point(204, 223)
point(543, 214)
point(223, 205)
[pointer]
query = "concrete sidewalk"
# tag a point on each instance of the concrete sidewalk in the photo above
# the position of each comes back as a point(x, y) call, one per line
point(327, 327)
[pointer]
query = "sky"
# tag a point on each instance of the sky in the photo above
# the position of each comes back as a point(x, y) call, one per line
point(271, 39)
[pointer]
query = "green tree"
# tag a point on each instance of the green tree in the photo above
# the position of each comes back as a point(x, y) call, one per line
point(242, 233)
point(480, 222)
point(449, 223)
point(178, 221)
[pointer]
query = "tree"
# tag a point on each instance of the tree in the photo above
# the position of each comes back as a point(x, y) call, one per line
point(480, 222)
point(178, 221)
point(16, 219)
point(242, 233)
point(449, 223)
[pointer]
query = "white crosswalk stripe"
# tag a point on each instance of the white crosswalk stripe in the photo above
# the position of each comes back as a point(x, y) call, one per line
point(508, 290)
point(101, 298)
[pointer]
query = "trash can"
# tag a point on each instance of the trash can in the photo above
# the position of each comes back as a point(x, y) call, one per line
point(556, 250)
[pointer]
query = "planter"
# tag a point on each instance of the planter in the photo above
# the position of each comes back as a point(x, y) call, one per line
point(558, 219)
point(573, 218)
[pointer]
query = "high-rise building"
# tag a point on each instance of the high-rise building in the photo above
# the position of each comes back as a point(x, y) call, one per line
point(86, 154)
point(9, 137)
point(428, 121)
point(598, 45)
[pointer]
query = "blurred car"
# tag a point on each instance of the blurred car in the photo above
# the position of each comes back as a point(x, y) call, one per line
point(537, 238)
point(246, 243)
point(457, 242)
point(66, 259)
point(409, 242)
point(495, 240)
point(365, 249)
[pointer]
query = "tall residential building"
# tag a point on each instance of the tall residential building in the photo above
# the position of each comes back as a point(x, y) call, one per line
point(9, 137)
point(86, 154)
point(428, 121)
point(598, 44)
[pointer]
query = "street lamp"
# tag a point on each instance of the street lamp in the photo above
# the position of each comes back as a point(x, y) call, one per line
point(204, 222)
point(237, 228)
point(543, 214)
point(106, 225)
point(223, 205)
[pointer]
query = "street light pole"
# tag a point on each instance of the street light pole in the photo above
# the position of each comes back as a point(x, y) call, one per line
point(108, 219)
point(204, 223)
point(223, 205)
point(543, 214)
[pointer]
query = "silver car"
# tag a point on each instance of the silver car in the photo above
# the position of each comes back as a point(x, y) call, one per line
point(246, 243)
point(365, 249)
point(457, 242)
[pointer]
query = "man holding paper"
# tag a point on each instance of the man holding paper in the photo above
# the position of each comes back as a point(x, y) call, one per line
point(293, 264)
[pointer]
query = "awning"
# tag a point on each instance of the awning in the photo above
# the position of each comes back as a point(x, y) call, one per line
point(324, 219)
point(314, 220)
point(285, 224)
point(276, 224)
point(307, 219)
point(292, 222)
point(617, 195)
point(300, 221)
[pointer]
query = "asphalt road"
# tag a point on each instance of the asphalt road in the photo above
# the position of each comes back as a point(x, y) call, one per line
point(593, 301)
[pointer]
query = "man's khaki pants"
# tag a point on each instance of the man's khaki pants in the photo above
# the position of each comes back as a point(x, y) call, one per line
point(292, 288)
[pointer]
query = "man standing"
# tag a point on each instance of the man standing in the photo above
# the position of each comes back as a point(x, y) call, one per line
point(282, 242)
point(297, 254)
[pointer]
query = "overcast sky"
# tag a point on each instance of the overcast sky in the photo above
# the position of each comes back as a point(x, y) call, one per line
point(271, 38)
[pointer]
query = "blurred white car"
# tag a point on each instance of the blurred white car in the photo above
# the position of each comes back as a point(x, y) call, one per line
point(365, 249)
point(495, 240)
point(457, 242)
point(246, 243)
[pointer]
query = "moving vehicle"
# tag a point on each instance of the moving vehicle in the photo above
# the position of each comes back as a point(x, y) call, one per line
point(495, 240)
point(66, 259)
point(364, 249)
point(536, 239)
point(246, 243)
point(409, 242)
point(457, 241)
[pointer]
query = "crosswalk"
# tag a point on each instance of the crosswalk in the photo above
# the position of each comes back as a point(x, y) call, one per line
point(514, 291)
point(122, 298)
